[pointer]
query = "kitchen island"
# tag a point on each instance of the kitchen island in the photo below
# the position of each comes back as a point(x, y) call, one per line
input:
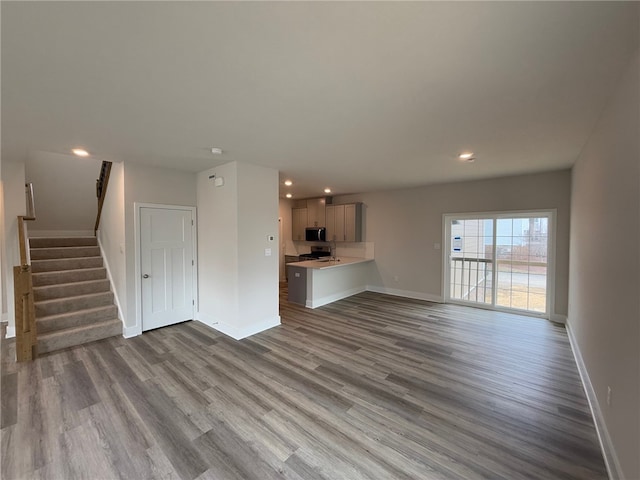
point(318, 282)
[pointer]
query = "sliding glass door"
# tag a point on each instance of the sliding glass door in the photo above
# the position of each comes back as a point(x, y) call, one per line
point(499, 261)
point(471, 260)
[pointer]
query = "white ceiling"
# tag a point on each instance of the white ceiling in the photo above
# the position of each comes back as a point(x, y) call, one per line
point(355, 96)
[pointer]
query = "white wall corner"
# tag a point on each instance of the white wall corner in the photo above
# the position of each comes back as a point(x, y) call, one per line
point(558, 318)
point(246, 331)
point(11, 331)
point(406, 294)
point(608, 451)
point(113, 290)
point(205, 318)
point(128, 332)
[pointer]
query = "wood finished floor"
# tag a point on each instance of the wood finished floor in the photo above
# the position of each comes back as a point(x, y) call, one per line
point(370, 387)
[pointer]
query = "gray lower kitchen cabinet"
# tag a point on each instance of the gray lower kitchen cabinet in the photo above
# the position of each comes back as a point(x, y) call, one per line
point(297, 284)
point(289, 259)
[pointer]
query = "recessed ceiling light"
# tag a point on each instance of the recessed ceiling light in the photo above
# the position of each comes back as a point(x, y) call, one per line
point(216, 151)
point(466, 156)
point(81, 152)
point(288, 195)
point(327, 190)
point(288, 183)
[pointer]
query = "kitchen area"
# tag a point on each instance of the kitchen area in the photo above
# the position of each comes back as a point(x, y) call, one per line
point(323, 253)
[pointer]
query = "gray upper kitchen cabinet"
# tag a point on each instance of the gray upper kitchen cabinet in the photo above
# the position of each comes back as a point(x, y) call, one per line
point(298, 224)
point(353, 222)
point(344, 222)
point(316, 212)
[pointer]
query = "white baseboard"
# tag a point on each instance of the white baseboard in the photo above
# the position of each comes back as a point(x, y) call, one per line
point(405, 293)
point(128, 332)
point(113, 290)
point(558, 318)
point(242, 332)
point(60, 233)
point(608, 451)
point(205, 318)
point(11, 332)
point(318, 302)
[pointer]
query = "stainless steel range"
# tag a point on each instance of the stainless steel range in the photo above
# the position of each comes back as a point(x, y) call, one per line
point(316, 252)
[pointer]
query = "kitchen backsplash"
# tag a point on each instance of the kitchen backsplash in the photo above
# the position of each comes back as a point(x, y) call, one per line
point(343, 249)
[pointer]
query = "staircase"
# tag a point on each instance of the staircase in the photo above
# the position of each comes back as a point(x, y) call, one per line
point(73, 300)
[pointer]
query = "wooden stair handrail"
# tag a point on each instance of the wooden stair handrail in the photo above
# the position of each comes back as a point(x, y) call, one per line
point(101, 191)
point(25, 316)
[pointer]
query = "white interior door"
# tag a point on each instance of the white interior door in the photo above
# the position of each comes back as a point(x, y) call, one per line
point(166, 266)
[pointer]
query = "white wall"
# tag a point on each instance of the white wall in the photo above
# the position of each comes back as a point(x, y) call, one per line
point(286, 240)
point(3, 262)
point(64, 189)
point(331, 284)
point(238, 283)
point(218, 245)
point(405, 224)
point(144, 184)
point(14, 204)
point(111, 235)
point(604, 310)
point(257, 220)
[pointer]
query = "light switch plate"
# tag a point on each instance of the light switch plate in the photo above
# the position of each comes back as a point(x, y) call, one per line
point(267, 252)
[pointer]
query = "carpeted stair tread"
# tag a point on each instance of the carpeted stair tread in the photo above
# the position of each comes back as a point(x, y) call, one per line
point(65, 290)
point(58, 264)
point(57, 277)
point(72, 294)
point(87, 316)
point(64, 252)
point(44, 242)
point(71, 304)
point(69, 337)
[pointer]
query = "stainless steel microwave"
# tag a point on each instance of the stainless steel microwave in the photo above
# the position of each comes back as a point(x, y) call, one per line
point(315, 234)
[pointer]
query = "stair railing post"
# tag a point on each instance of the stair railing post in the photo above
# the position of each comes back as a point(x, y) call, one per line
point(25, 314)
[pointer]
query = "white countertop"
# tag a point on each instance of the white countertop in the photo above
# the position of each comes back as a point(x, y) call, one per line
point(322, 264)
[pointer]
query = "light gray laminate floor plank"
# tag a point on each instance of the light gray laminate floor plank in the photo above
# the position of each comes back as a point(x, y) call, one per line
point(369, 387)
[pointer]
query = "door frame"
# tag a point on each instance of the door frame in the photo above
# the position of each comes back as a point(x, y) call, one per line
point(551, 259)
point(138, 256)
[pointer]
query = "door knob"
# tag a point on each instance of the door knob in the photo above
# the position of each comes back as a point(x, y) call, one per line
point(146, 275)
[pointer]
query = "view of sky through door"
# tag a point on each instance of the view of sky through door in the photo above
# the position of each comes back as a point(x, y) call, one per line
point(500, 262)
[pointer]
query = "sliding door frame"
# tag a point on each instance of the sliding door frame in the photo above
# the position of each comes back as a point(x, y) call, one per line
point(551, 213)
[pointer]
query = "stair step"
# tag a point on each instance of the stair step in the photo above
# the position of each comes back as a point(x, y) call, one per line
point(43, 242)
point(64, 252)
point(79, 318)
point(65, 264)
point(70, 337)
point(68, 276)
point(72, 304)
point(73, 289)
